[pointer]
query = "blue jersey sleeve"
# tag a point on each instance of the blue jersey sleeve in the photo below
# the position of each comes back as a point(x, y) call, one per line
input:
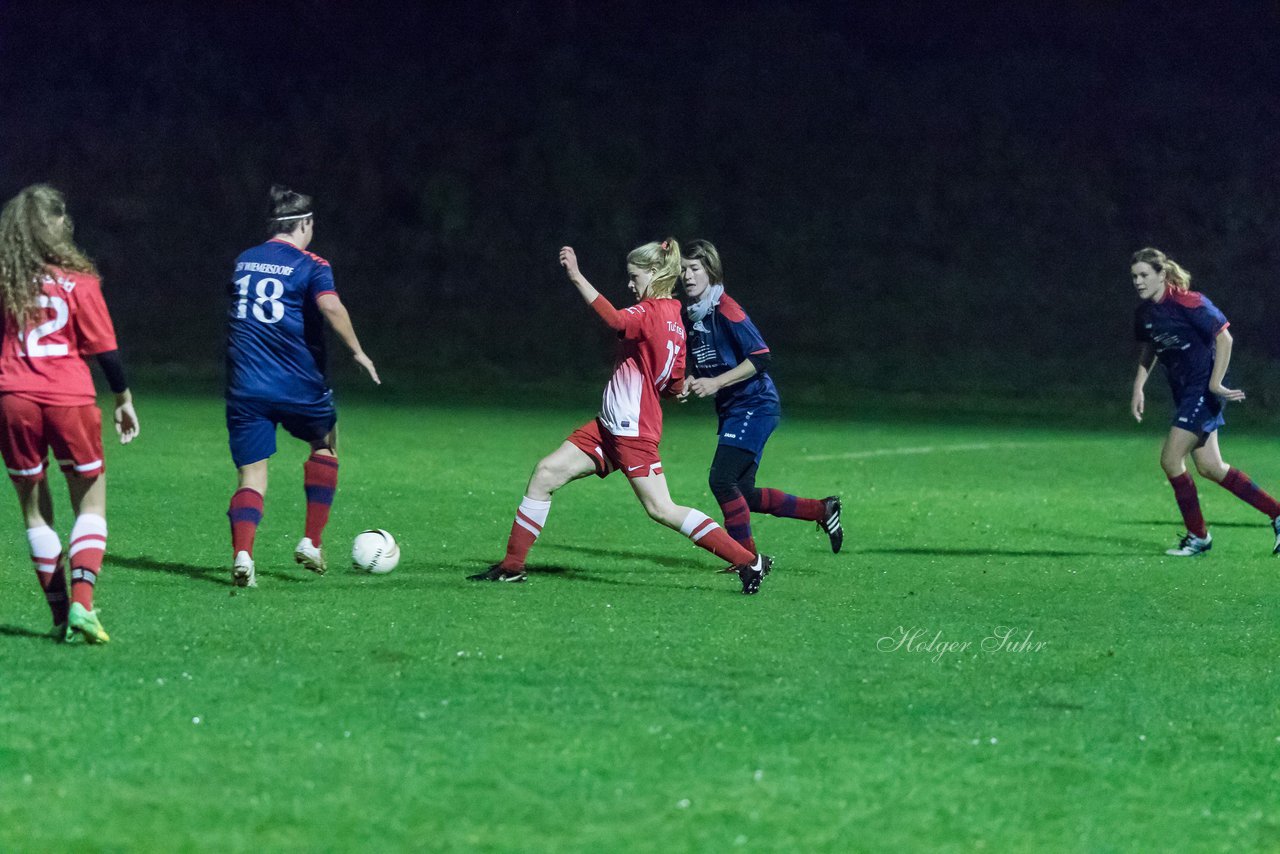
point(321, 281)
point(745, 338)
point(1207, 319)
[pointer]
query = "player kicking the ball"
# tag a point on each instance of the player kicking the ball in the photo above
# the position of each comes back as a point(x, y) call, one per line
point(54, 316)
point(626, 433)
point(279, 294)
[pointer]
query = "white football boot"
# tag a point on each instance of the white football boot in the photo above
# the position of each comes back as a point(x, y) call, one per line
point(309, 555)
point(242, 572)
point(1191, 545)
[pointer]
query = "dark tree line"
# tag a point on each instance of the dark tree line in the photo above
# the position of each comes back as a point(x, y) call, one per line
point(904, 194)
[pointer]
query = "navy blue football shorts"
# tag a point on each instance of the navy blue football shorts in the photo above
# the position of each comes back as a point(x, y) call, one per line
point(747, 430)
point(1199, 413)
point(251, 426)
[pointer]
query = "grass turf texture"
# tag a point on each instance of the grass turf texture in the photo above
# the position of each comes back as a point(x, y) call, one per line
point(629, 698)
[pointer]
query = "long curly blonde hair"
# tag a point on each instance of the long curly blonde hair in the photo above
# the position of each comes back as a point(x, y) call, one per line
point(35, 233)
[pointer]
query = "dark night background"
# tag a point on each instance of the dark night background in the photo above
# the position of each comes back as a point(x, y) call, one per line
point(909, 196)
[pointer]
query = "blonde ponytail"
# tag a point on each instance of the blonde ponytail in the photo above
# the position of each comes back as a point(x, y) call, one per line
point(661, 259)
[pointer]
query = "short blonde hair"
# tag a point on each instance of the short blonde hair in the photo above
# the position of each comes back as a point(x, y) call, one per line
point(661, 259)
point(1173, 272)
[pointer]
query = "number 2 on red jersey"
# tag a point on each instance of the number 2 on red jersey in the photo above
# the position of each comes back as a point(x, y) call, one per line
point(30, 344)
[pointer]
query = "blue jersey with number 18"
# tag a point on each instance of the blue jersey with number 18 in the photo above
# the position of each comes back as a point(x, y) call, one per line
point(275, 332)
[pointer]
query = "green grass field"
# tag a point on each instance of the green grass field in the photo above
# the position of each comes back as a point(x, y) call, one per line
point(630, 699)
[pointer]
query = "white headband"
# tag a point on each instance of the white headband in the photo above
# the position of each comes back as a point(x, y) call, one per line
point(295, 216)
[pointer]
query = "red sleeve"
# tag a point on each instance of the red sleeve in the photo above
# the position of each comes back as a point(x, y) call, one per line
point(94, 331)
point(610, 315)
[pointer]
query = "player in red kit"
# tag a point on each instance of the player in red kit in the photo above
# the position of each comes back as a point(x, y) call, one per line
point(54, 317)
point(626, 433)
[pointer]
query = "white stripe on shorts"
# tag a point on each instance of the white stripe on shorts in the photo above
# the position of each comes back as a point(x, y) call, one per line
point(24, 472)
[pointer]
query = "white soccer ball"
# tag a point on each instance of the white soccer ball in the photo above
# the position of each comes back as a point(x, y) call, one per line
point(375, 551)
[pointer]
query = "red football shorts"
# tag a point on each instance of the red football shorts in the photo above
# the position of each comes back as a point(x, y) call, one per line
point(633, 457)
point(28, 430)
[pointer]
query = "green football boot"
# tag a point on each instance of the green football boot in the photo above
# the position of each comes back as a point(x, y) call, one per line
point(86, 623)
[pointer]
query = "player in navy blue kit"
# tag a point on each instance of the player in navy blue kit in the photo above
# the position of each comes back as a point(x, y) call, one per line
point(281, 297)
point(1189, 334)
point(731, 362)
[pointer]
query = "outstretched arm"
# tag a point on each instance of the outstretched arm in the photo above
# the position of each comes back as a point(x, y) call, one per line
point(340, 321)
point(593, 298)
point(569, 260)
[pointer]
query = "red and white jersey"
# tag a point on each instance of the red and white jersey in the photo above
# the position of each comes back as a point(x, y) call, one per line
point(45, 362)
point(650, 361)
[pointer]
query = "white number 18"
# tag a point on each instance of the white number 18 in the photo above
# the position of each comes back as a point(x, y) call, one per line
point(266, 305)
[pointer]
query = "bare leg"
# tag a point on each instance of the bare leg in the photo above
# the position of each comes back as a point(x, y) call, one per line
point(1179, 443)
point(35, 501)
point(656, 498)
point(88, 494)
point(1208, 460)
point(565, 464)
point(694, 524)
point(253, 476)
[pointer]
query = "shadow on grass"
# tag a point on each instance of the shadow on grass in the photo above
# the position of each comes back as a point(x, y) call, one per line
point(220, 574)
point(670, 561)
point(951, 552)
point(1174, 523)
point(572, 574)
point(21, 632)
point(212, 574)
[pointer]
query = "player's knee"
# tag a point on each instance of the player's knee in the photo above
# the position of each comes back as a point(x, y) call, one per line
point(1214, 472)
point(547, 475)
point(662, 512)
point(722, 488)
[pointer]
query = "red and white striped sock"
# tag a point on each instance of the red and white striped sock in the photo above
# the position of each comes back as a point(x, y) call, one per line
point(46, 556)
point(705, 533)
point(530, 517)
point(88, 545)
